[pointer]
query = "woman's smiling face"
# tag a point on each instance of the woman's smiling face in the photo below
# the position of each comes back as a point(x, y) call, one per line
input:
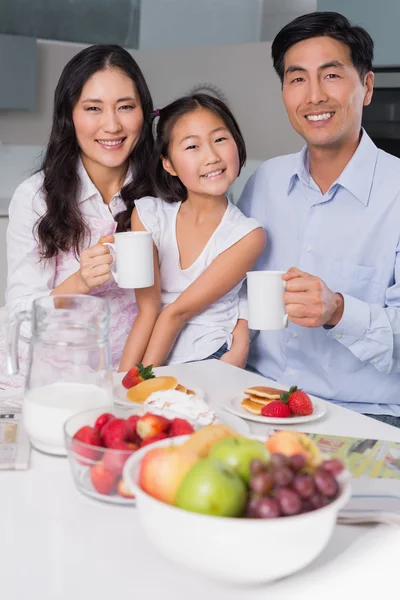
point(108, 118)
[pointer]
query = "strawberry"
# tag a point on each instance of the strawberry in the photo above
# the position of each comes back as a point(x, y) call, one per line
point(137, 374)
point(115, 457)
point(180, 427)
point(87, 435)
point(102, 479)
point(117, 430)
point(299, 402)
point(132, 420)
point(277, 409)
point(102, 420)
point(123, 491)
point(155, 438)
point(150, 425)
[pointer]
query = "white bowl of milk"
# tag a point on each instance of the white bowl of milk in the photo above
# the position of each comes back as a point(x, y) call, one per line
point(47, 408)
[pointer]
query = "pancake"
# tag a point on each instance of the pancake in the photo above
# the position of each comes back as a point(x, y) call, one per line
point(140, 392)
point(261, 401)
point(181, 388)
point(253, 407)
point(261, 391)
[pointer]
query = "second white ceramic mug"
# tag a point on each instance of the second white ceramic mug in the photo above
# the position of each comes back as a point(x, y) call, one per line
point(265, 291)
point(133, 254)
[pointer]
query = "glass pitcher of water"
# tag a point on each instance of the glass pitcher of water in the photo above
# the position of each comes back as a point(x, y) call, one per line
point(69, 364)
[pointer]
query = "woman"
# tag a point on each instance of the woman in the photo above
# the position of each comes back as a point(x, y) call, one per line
point(93, 169)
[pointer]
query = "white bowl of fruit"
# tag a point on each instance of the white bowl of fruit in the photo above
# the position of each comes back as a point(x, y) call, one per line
point(237, 509)
point(98, 445)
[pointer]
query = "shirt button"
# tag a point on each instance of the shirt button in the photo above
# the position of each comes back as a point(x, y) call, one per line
point(291, 372)
point(317, 206)
point(295, 334)
point(309, 249)
point(374, 361)
point(339, 336)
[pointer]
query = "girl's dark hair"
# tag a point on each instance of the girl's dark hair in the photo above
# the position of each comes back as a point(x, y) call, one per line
point(62, 227)
point(319, 24)
point(171, 188)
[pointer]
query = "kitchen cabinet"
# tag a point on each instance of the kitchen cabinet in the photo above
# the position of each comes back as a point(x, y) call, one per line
point(18, 67)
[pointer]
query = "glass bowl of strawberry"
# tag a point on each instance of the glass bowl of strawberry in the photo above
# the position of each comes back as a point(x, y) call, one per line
point(99, 443)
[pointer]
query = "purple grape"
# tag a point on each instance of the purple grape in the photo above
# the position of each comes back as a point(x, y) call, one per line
point(297, 462)
point(304, 485)
point(278, 460)
point(257, 466)
point(262, 483)
point(251, 508)
point(268, 508)
point(326, 483)
point(289, 501)
point(317, 500)
point(306, 506)
point(333, 466)
point(283, 476)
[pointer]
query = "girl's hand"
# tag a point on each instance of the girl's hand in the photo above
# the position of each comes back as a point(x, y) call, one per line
point(95, 265)
point(236, 357)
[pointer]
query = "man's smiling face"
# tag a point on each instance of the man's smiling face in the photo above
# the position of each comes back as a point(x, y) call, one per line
point(323, 93)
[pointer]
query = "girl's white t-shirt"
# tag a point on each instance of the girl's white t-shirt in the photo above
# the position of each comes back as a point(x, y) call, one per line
point(206, 332)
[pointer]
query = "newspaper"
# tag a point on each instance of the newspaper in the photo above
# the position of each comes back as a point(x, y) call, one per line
point(15, 447)
point(375, 469)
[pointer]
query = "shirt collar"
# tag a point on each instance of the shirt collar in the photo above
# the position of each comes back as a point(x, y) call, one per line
point(88, 189)
point(357, 177)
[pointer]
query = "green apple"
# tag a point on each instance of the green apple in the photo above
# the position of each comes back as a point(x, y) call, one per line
point(238, 453)
point(211, 488)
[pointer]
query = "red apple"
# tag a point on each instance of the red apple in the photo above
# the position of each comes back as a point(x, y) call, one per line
point(150, 425)
point(162, 470)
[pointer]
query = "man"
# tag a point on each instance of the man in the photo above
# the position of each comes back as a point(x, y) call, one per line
point(332, 211)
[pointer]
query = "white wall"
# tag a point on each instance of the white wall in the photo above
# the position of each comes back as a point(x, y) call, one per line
point(244, 73)
point(381, 20)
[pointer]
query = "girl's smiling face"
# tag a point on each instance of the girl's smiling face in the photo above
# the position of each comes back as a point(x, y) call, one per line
point(108, 119)
point(202, 154)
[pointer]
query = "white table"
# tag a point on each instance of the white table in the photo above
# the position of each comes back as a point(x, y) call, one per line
point(56, 544)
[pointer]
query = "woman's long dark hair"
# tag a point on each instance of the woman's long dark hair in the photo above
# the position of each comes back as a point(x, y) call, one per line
point(62, 227)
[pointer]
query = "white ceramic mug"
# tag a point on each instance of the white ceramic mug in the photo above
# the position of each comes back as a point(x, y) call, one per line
point(133, 255)
point(265, 298)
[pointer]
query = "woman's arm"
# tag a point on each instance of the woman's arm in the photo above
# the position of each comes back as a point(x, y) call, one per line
point(29, 277)
point(148, 302)
point(224, 273)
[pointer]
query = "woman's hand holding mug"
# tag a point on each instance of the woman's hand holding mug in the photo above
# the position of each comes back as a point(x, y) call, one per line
point(95, 265)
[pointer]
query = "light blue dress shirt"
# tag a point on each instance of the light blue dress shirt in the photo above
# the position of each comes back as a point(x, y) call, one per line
point(350, 238)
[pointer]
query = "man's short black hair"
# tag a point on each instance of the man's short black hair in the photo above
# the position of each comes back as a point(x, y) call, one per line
point(320, 24)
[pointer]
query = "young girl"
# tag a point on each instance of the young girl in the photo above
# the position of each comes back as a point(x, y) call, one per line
point(203, 244)
point(94, 167)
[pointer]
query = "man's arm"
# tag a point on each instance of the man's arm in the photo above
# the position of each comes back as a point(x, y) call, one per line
point(371, 332)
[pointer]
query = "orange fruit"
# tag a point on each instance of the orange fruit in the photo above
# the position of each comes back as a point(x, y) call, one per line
point(140, 392)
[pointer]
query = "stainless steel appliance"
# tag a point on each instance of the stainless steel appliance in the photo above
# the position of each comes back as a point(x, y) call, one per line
point(381, 119)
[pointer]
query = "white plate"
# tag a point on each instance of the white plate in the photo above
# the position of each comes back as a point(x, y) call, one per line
point(225, 417)
point(120, 391)
point(234, 407)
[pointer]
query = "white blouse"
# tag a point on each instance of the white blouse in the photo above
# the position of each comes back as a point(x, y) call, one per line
point(206, 332)
point(28, 277)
